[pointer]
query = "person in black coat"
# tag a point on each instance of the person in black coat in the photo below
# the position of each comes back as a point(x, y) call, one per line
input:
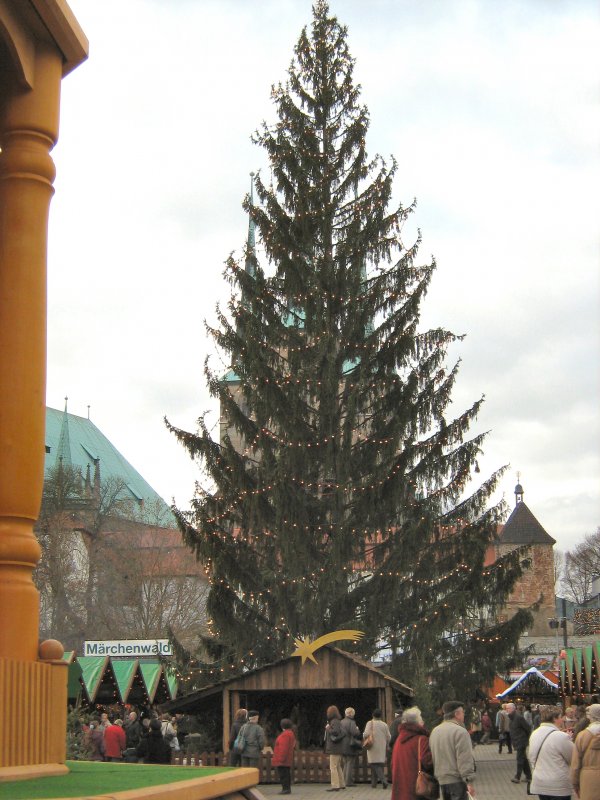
point(153, 749)
point(520, 731)
point(133, 730)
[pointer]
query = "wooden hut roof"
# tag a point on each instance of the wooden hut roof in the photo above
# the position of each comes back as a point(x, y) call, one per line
point(336, 669)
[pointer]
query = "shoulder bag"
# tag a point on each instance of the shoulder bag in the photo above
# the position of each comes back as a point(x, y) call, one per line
point(547, 736)
point(239, 744)
point(356, 741)
point(368, 740)
point(426, 786)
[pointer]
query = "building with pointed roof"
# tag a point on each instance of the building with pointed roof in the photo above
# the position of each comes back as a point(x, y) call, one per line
point(536, 587)
point(77, 443)
point(523, 528)
point(113, 564)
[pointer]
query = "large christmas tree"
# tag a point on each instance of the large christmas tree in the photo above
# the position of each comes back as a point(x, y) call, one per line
point(339, 490)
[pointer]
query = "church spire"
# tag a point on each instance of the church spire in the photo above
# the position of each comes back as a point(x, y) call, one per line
point(63, 453)
point(519, 492)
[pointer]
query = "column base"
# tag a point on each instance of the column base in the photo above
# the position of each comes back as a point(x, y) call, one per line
point(35, 694)
point(31, 771)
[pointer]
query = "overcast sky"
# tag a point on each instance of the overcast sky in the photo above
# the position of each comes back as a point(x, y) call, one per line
point(492, 112)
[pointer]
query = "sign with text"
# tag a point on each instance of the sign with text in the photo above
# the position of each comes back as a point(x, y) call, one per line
point(132, 648)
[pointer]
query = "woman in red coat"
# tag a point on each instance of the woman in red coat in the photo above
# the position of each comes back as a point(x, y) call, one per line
point(283, 755)
point(412, 735)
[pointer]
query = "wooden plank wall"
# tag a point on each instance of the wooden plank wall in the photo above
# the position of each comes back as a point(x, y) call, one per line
point(333, 672)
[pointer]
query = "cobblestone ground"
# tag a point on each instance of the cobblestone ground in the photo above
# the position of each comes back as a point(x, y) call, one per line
point(494, 772)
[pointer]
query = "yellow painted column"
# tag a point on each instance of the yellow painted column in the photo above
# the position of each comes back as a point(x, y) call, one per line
point(28, 131)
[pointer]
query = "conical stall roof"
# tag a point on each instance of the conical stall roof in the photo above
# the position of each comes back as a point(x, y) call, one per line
point(569, 663)
point(588, 667)
point(578, 667)
point(108, 691)
point(125, 670)
point(152, 672)
point(532, 674)
point(92, 673)
point(172, 682)
point(163, 690)
point(562, 667)
point(69, 656)
point(75, 685)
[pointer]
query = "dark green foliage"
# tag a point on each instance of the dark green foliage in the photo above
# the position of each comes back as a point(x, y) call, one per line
point(77, 744)
point(346, 504)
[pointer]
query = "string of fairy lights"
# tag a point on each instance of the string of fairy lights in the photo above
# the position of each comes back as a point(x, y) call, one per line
point(372, 202)
point(306, 298)
point(219, 667)
point(320, 486)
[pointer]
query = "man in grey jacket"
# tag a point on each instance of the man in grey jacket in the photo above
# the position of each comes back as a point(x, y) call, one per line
point(452, 752)
point(351, 735)
point(255, 740)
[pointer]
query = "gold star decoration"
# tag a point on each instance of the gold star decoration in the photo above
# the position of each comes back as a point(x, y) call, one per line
point(306, 649)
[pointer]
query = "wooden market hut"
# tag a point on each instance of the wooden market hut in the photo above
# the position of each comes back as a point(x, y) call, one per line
point(299, 691)
point(532, 686)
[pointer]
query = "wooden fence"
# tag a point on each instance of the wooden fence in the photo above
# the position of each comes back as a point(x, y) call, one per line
point(310, 766)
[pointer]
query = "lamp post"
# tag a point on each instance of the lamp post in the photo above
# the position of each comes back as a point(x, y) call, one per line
point(555, 623)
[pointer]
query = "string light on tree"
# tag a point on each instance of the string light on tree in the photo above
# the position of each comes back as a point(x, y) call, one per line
point(339, 487)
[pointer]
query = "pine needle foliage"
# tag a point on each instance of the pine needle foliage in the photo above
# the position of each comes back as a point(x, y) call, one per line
point(341, 487)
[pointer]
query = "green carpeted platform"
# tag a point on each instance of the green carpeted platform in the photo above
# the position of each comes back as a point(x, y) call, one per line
point(93, 777)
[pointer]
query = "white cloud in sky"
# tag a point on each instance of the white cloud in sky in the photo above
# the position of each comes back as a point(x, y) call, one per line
point(492, 113)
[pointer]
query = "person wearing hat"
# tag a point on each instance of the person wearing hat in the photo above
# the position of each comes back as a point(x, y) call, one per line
point(585, 763)
point(255, 740)
point(452, 751)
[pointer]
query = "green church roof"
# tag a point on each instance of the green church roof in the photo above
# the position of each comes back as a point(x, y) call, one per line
point(80, 444)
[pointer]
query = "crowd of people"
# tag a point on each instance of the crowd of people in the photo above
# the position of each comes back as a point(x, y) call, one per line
point(557, 750)
point(151, 738)
point(442, 761)
point(567, 764)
